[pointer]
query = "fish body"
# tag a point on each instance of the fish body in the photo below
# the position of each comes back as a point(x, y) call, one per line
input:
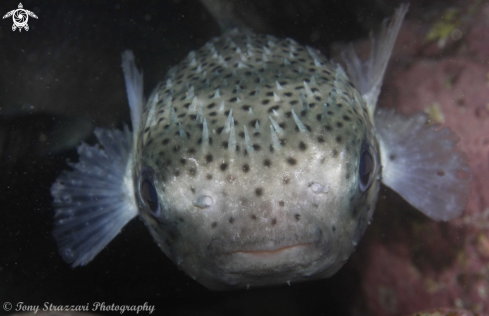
point(274, 183)
point(256, 161)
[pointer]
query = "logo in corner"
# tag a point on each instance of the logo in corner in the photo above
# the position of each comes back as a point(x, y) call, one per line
point(20, 17)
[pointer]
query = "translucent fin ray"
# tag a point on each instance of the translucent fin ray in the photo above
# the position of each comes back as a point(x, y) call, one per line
point(367, 75)
point(421, 164)
point(134, 88)
point(94, 201)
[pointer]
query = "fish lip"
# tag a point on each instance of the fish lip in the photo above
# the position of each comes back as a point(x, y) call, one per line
point(269, 251)
point(272, 246)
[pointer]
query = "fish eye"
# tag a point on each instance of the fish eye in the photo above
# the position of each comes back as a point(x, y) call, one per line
point(147, 192)
point(367, 167)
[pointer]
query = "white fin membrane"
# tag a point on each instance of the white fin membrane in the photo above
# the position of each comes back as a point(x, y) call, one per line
point(420, 163)
point(134, 88)
point(94, 201)
point(367, 75)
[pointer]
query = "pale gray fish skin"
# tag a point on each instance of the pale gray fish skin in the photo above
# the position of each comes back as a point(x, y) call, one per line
point(292, 210)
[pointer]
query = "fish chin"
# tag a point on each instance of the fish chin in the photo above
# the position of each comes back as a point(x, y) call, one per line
point(226, 264)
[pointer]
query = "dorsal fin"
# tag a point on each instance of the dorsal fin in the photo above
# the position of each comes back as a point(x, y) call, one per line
point(134, 88)
point(367, 75)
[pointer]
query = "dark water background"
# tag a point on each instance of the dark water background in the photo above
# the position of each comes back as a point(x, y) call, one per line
point(68, 65)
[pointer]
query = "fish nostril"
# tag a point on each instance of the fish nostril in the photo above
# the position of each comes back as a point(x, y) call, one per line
point(318, 188)
point(203, 201)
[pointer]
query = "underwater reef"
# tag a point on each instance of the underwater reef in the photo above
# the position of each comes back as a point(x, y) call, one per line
point(410, 263)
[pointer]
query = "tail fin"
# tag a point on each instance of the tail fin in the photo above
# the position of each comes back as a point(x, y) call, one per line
point(421, 164)
point(367, 76)
point(94, 201)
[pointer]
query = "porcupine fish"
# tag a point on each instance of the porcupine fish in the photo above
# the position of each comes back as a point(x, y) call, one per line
point(255, 162)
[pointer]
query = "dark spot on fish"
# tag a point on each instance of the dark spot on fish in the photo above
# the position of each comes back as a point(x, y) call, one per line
point(275, 107)
point(334, 229)
point(246, 167)
point(192, 171)
point(302, 146)
point(223, 166)
point(253, 123)
point(267, 163)
point(192, 189)
point(183, 161)
point(293, 102)
point(274, 221)
point(191, 150)
point(441, 173)
point(281, 203)
point(208, 158)
point(232, 100)
point(392, 157)
point(256, 147)
point(289, 94)
point(291, 161)
point(265, 102)
point(338, 139)
point(339, 124)
point(209, 176)
point(259, 191)
point(297, 217)
point(346, 118)
point(253, 217)
point(165, 141)
point(320, 139)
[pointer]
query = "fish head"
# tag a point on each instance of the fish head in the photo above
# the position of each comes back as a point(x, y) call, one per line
point(279, 193)
point(234, 219)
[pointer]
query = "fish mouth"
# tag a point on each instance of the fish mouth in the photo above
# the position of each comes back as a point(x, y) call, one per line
point(264, 258)
point(271, 253)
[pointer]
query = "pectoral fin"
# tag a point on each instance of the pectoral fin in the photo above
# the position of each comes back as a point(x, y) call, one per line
point(420, 163)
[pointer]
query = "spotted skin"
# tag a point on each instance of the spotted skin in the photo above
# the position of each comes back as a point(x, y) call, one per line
point(267, 193)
